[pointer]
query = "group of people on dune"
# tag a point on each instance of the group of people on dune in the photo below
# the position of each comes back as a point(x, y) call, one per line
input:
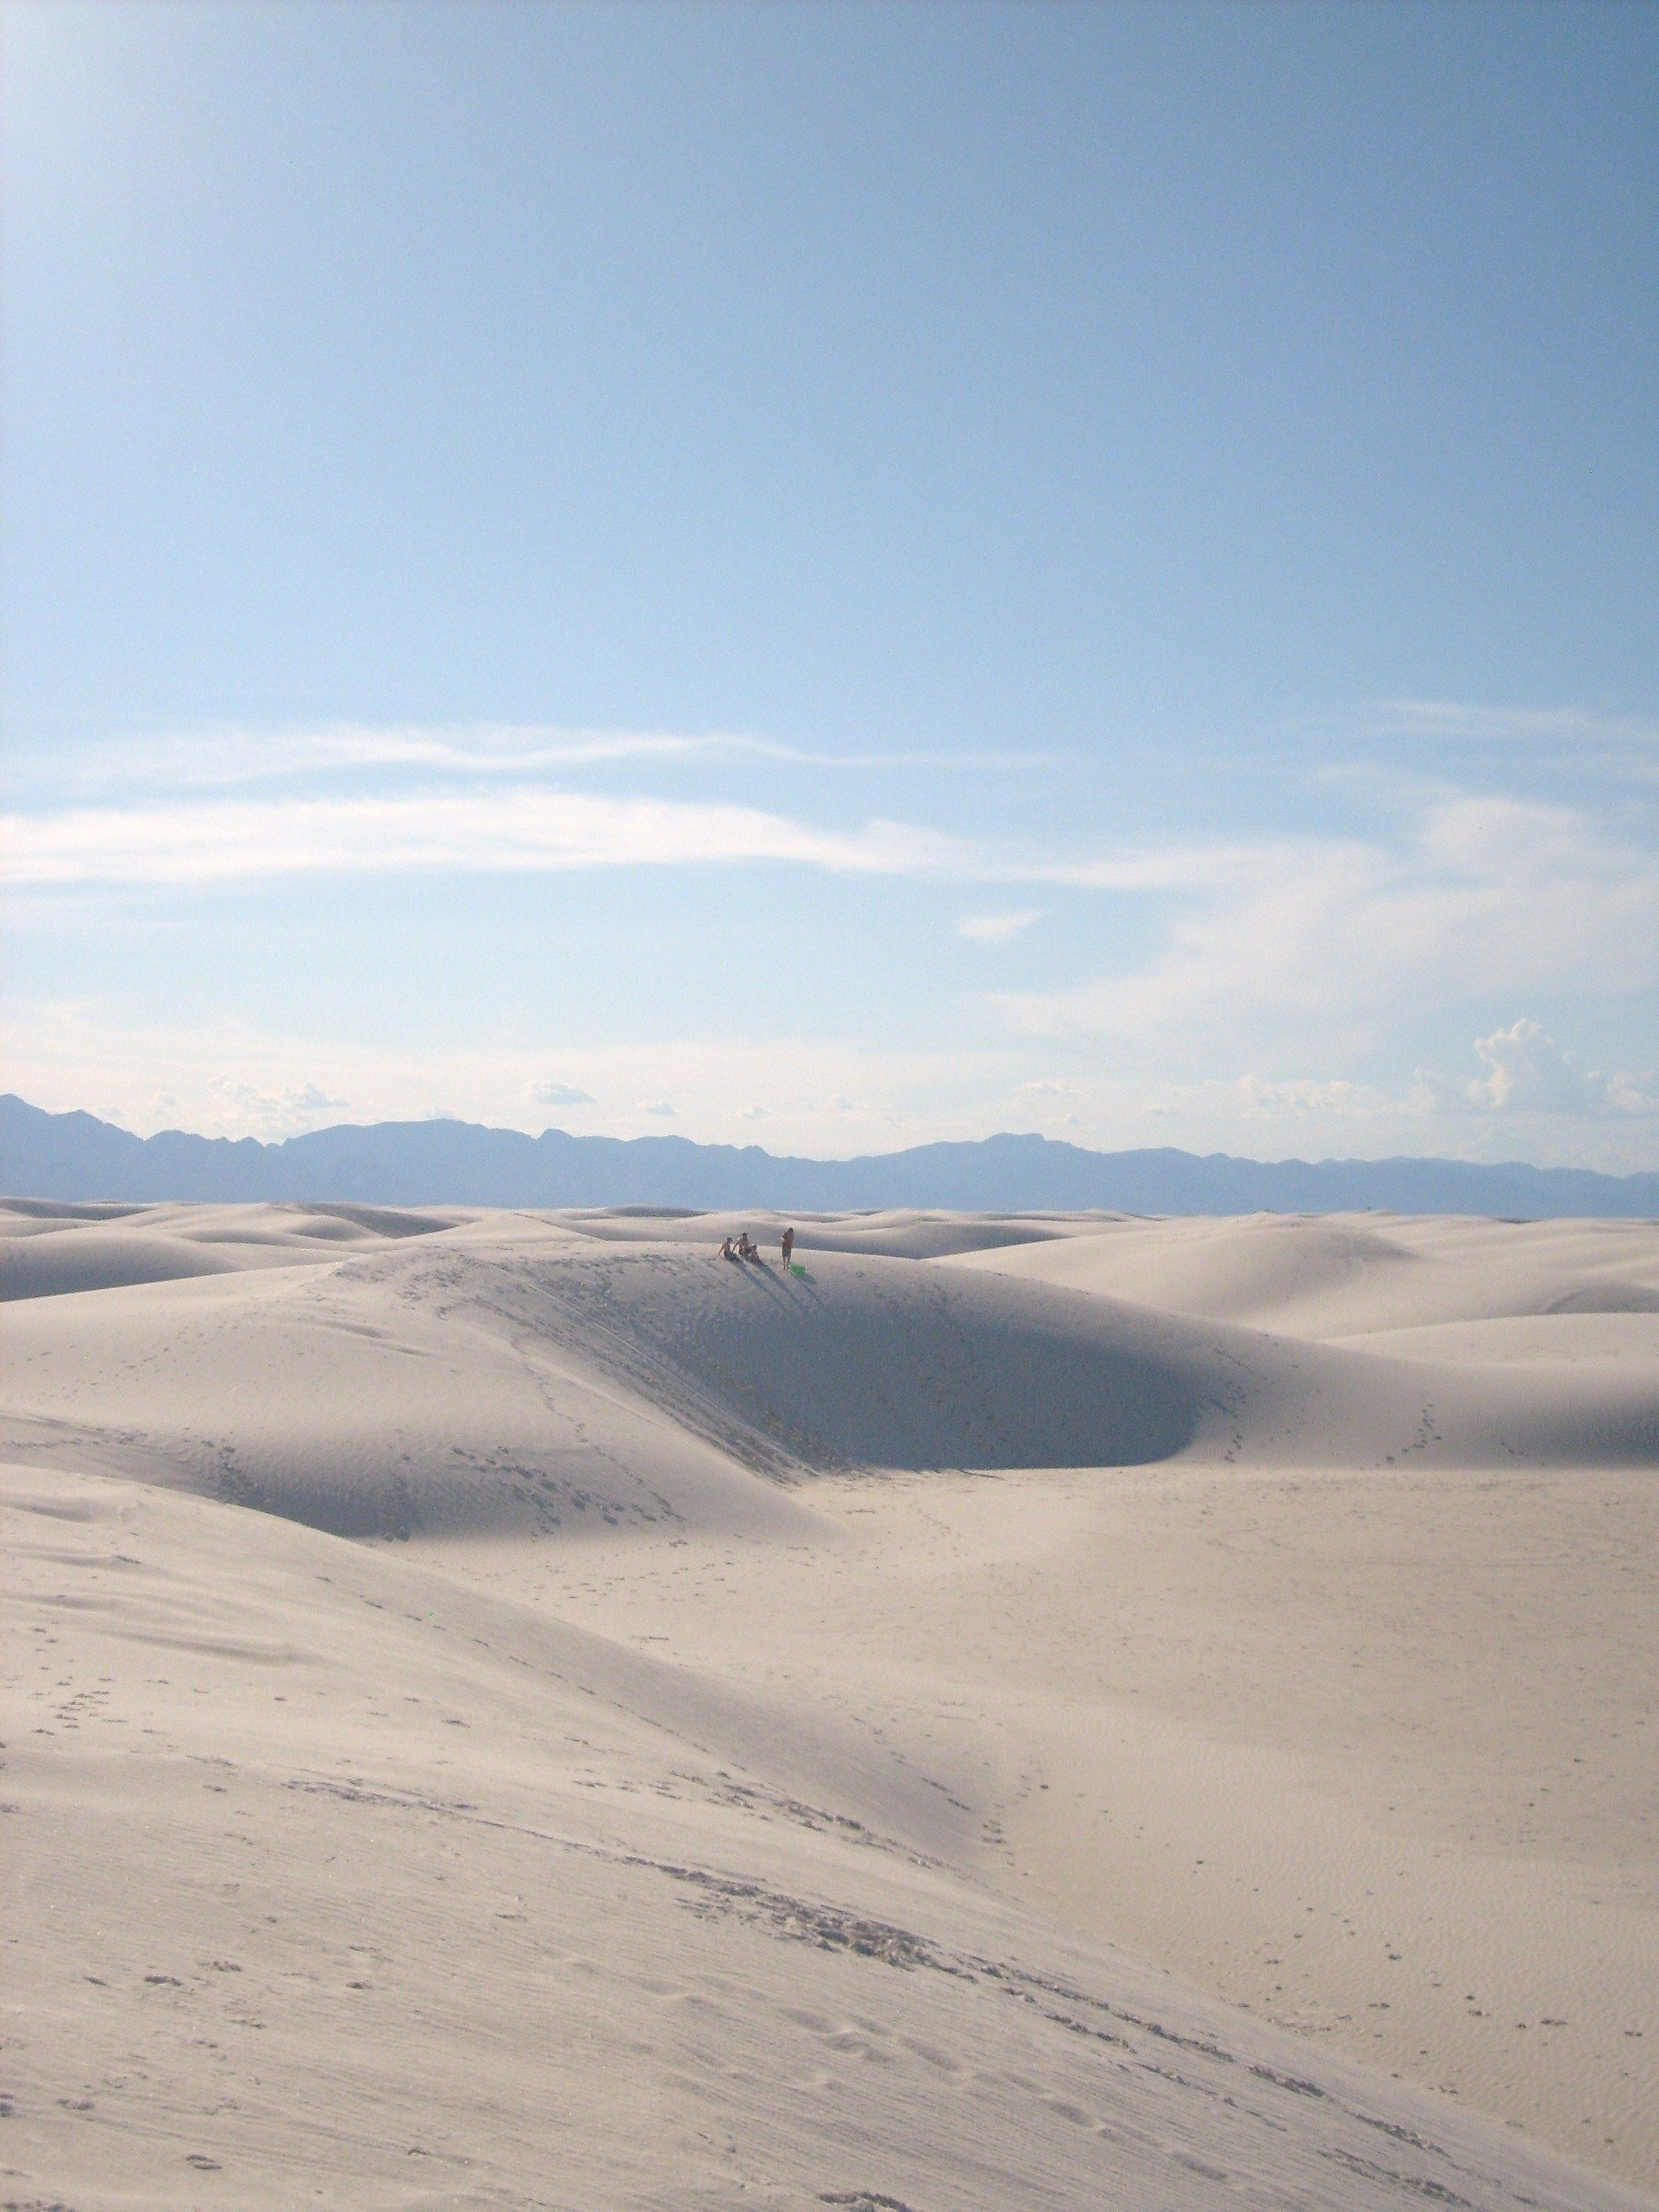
point(746, 1248)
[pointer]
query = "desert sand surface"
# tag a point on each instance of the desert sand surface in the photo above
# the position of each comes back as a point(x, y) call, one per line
point(512, 1710)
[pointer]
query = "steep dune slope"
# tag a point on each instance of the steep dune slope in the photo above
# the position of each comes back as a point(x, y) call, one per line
point(359, 1401)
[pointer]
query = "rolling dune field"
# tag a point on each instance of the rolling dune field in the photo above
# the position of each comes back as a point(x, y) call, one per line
point(512, 1710)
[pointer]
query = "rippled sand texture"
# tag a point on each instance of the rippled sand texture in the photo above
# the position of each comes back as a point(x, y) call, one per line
point(512, 1710)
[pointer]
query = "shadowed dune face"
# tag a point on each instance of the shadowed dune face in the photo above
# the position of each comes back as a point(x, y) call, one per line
point(68, 1261)
point(54, 1213)
point(872, 1362)
point(860, 1361)
point(377, 1220)
point(1607, 1298)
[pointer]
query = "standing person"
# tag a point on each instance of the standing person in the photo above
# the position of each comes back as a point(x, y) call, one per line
point(788, 1246)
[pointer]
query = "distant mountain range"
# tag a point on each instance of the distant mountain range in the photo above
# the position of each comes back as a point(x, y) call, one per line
point(75, 1156)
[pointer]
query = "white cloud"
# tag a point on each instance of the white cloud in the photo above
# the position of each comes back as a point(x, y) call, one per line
point(248, 1109)
point(1274, 954)
point(559, 1094)
point(1515, 726)
point(1258, 1098)
point(1528, 1073)
point(517, 828)
point(995, 928)
point(1482, 898)
point(533, 828)
point(219, 759)
point(530, 827)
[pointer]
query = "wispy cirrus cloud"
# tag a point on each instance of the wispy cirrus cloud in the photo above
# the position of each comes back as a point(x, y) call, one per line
point(1471, 723)
point(1479, 897)
point(996, 929)
point(505, 830)
point(224, 758)
point(518, 827)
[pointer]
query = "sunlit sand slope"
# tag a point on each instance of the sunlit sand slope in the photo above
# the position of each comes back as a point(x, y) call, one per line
point(338, 1883)
point(1346, 1275)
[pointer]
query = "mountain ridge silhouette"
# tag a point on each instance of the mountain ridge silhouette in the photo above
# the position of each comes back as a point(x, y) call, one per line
point(77, 1158)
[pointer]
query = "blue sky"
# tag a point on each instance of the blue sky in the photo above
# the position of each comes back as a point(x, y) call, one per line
point(833, 576)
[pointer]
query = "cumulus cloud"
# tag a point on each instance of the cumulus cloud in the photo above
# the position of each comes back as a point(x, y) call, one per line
point(559, 1094)
point(1528, 1072)
point(281, 1111)
point(660, 1106)
point(1258, 1097)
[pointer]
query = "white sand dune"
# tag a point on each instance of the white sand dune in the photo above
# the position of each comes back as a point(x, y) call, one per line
point(520, 1373)
point(1346, 1275)
point(950, 1727)
point(48, 1250)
